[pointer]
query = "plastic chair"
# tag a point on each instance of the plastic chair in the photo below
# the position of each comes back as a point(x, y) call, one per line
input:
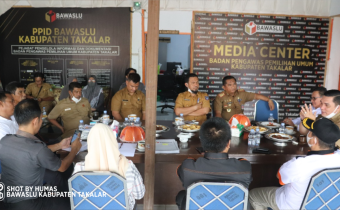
point(262, 111)
point(323, 191)
point(98, 183)
point(213, 195)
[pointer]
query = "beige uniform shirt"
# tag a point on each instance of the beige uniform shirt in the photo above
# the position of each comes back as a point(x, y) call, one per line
point(185, 100)
point(71, 113)
point(46, 91)
point(127, 104)
point(229, 105)
point(335, 120)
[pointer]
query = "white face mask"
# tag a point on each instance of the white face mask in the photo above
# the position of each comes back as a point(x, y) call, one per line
point(309, 138)
point(333, 113)
point(75, 99)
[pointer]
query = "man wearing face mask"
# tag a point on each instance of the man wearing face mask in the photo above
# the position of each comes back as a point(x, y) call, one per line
point(194, 105)
point(71, 110)
point(295, 174)
point(329, 109)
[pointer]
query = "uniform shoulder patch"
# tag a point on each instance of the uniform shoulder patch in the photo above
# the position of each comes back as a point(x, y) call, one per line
point(221, 94)
point(206, 98)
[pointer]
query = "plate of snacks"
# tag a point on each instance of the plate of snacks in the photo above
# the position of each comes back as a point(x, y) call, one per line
point(190, 128)
point(270, 124)
point(280, 137)
point(161, 128)
point(262, 129)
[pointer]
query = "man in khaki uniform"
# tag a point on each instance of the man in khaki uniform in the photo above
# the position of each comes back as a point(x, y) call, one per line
point(194, 105)
point(71, 110)
point(330, 108)
point(40, 91)
point(230, 101)
point(129, 100)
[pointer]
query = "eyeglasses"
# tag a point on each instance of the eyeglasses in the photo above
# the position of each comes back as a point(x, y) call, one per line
point(91, 80)
point(314, 98)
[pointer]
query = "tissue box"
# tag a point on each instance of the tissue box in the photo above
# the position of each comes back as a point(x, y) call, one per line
point(236, 132)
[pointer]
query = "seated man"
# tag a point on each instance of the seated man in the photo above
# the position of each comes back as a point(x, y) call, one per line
point(330, 108)
point(316, 103)
point(215, 166)
point(128, 71)
point(71, 110)
point(230, 101)
point(7, 121)
point(24, 159)
point(194, 105)
point(41, 91)
point(129, 100)
point(295, 174)
point(17, 90)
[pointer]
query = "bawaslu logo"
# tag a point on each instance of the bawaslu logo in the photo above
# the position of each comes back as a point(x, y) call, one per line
point(51, 16)
point(251, 28)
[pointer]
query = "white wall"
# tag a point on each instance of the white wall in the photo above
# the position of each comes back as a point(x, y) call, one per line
point(333, 65)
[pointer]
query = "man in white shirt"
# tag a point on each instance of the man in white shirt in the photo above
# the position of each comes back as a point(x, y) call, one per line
point(295, 174)
point(7, 121)
point(316, 103)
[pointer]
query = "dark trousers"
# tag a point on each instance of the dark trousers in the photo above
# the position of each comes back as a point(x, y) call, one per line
point(41, 204)
point(181, 199)
point(59, 179)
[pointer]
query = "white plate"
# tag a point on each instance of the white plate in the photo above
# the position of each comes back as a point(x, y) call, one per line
point(275, 125)
point(293, 133)
point(165, 129)
point(252, 127)
point(140, 150)
point(281, 134)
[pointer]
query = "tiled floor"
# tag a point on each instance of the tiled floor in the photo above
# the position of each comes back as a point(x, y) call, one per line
point(159, 207)
point(168, 114)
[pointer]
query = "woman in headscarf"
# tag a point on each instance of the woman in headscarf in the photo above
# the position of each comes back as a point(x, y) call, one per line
point(103, 155)
point(94, 93)
point(64, 92)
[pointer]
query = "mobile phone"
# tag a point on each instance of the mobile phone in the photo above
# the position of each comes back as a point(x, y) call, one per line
point(199, 149)
point(261, 151)
point(75, 135)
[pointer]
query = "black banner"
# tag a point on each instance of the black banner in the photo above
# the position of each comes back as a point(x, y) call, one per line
point(65, 42)
point(277, 56)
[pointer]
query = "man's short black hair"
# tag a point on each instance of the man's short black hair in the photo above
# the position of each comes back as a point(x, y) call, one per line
point(227, 78)
point(38, 74)
point(73, 85)
point(215, 135)
point(3, 95)
point(187, 78)
point(324, 145)
point(127, 71)
point(26, 110)
point(12, 86)
point(321, 90)
point(134, 77)
point(335, 94)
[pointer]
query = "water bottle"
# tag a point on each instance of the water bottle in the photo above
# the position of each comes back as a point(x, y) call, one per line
point(106, 118)
point(131, 121)
point(44, 115)
point(181, 116)
point(257, 137)
point(126, 122)
point(251, 137)
point(271, 119)
point(282, 128)
point(138, 122)
point(81, 125)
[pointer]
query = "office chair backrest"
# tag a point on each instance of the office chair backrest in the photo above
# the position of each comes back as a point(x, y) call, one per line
point(98, 183)
point(323, 191)
point(214, 195)
point(262, 111)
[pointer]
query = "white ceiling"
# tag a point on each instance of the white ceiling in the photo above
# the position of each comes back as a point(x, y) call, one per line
point(287, 7)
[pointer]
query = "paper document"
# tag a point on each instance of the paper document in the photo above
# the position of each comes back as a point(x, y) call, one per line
point(128, 149)
point(166, 146)
point(83, 147)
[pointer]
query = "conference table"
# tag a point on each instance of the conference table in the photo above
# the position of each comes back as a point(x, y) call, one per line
point(167, 183)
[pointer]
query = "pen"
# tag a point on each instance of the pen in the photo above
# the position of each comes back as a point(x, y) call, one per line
point(121, 145)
